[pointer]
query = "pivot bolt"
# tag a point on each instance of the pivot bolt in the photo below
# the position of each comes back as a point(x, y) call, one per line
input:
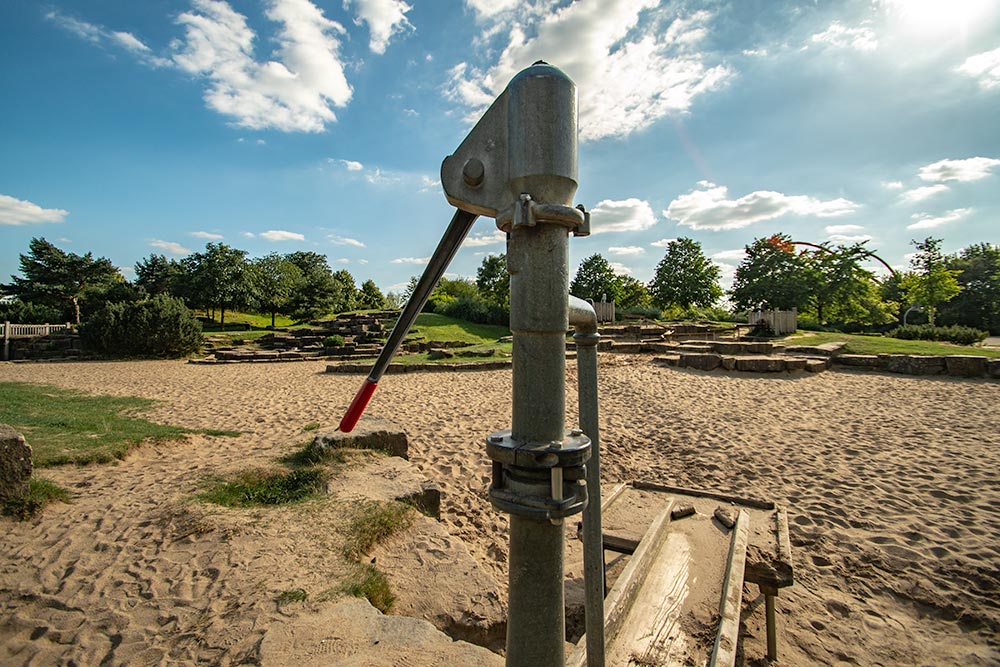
point(496, 439)
point(473, 172)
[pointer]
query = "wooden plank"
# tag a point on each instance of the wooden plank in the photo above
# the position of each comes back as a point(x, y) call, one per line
point(726, 640)
point(697, 493)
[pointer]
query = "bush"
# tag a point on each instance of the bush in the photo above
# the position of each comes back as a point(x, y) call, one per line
point(158, 327)
point(953, 334)
point(19, 312)
point(473, 309)
point(335, 340)
point(630, 313)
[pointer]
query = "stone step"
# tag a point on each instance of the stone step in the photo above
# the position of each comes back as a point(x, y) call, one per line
point(708, 361)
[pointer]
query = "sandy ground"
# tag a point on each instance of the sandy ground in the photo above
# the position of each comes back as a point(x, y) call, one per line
point(891, 484)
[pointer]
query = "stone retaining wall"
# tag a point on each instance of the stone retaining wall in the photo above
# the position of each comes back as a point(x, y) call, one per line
point(958, 365)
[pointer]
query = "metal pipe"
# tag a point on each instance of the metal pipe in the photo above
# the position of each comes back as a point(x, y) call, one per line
point(584, 320)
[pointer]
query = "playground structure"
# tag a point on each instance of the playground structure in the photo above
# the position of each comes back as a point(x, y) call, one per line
point(518, 165)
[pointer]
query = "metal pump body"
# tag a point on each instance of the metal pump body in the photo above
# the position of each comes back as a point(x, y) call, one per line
point(519, 166)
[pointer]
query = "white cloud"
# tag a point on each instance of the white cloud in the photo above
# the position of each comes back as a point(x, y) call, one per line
point(81, 29)
point(969, 169)
point(18, 212)
point(127, 271)
point(343, 240)
point(739, 253)
point(626, 215)
point(662, 243)
point(351, 165)
point(130, 42)
point(99, 35)
point(169, 246)
point(849, 238)
point(281, 235)
point(843, 229)
point(428, 184)
point(892, 185)
point(985, 67)
point(926, 221)
point(362, 261)
point(920, 194)
point(838, 35)
point(620, 268)
point(631, 63)
point(411, 112)
point(385, 18)
point(727, 273)
point(342, 260)
point(626, 251)
point(249, 235)
point(411, 260)
point(490, 238)
point(376, 177)
point(296, 93)
point(710, 208)
point(489, 8)
point(207, 236)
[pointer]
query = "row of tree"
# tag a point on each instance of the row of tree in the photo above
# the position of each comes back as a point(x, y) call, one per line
point(826, 282)
point(64, 286)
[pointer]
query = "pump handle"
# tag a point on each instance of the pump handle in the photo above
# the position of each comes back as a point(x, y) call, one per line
point(457, 230)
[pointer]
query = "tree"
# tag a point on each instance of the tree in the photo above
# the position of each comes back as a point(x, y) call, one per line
point(217, 278)
point(978, 304)
point(631, 293)
point(157, 275)
point(685, 277)
point(58, 279)
point(316, 292)
point(371, 296)
point(841, 290)
point(493, 280)
point(931, 283)
point(595, 279)
point(771, 276)
point(346, 292)
point(273, 278)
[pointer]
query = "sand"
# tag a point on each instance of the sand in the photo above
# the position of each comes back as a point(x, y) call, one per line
point(891, 485)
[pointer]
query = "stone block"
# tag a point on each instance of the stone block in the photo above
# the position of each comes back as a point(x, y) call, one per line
point(760, 364)
point(708, 361)
point(729, 363)
point(668, 360)
point(795, 364)
point(911, 364)
point(440, 354)
point(15, 464)
point(965, 365)
point(370, 433)
point(859, 360)
point(993, 368)
point(816, 365)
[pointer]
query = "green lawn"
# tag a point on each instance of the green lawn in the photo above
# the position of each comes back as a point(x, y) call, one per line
point(64, 426)
point(434, 327)
point(885, 345)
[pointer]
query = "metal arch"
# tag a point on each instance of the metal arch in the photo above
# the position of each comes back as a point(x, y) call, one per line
point(868, 253)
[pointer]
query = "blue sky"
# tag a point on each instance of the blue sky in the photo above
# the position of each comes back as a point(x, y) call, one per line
point(130, 128)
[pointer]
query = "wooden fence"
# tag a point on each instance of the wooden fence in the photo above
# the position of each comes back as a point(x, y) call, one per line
point(9, 331)
point(780, 322)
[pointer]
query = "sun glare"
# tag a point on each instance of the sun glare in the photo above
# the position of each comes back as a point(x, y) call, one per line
point(936, 17)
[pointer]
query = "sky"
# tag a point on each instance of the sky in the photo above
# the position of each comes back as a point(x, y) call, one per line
point(133, 128)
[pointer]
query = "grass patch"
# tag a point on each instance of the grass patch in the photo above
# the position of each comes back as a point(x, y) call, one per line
point(434, 327)
point(373, 524)
point(368, 582)
point(41, 492)
point(292, 595)
point(312, 426)
point(885, 345)
point(265, 487)
point(64, 426)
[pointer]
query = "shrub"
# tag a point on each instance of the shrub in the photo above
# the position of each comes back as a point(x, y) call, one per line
point(335, 340)
point(953, 334)
point(474, 309)
point(20, 312)
point(158, 327)
point(638, 311)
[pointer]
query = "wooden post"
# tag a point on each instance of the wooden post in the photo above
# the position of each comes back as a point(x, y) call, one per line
point(6, 341)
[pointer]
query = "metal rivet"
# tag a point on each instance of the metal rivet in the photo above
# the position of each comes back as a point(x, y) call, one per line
point(496, 439)
point(473, 172)
point(576, 433)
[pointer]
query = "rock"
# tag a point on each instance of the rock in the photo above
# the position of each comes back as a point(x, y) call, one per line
point(370, 433)
point(726, 516)
point(817, 365)
point(858, 360)
point(911, 364)
point(352, 633)
point(435, 578)
point(993, 368)
point(669, 360)
point(440, 354)
point(388, 479)
point(15, 464)
point(702, 361)
point(760, 364)
point(729, 363)
point(965, 365)
point(681, 511)
point(795, 364)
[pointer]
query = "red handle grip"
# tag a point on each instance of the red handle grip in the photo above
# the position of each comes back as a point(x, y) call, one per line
point(357, 406)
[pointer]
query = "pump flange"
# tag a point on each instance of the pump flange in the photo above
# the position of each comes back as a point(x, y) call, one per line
point(523, 473)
